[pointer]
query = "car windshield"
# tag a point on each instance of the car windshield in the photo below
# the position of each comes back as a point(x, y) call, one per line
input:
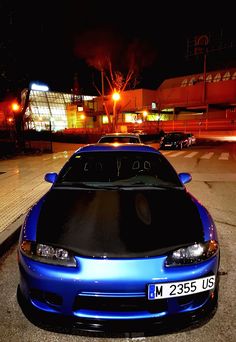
point(174, 136)
point(120, 169)
point(119, 140)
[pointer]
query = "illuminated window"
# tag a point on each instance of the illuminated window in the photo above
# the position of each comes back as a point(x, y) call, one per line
point(234, 76)
point(192, 81)
point(153, 117)
point(200, 78)
point(217, 77)
point(209, 78)
point(130, 117)
point(104, 119)
point(46, 106)
point(184, 82)
point(226, 76)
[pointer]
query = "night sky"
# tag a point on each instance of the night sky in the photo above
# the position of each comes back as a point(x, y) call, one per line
point(39, 39)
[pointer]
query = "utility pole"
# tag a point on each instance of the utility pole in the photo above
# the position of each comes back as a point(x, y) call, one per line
point(204, 44)
point(204, 75)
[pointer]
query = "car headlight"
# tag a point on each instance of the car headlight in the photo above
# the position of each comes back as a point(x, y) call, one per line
point(192, 254)
point(47, 254)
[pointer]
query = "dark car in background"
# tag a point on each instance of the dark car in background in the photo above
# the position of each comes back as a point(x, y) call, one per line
point(174, 140)
point(119, 243)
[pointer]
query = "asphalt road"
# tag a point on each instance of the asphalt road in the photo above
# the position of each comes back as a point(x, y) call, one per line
point(214, 184)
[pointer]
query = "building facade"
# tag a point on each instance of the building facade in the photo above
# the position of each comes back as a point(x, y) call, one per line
point(199, 97)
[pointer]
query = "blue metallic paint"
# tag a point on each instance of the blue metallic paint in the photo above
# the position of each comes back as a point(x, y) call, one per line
point(113, 278)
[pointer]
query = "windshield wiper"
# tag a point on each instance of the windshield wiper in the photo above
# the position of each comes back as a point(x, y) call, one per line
point(152, 185)
point(88, 186)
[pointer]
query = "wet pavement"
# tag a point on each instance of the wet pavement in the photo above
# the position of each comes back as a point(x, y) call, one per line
point(22, 184)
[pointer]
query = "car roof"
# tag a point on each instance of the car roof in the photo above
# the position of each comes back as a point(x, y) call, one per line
point(116, 148)
point(120, 135)
point(177, 132)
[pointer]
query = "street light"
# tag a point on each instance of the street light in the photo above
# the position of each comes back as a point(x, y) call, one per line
point(15, 107)
point(115, 98)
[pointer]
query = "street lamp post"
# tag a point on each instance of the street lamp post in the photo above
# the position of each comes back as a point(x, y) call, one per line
point(115, 98)
point(18, 125)
point(50, 133)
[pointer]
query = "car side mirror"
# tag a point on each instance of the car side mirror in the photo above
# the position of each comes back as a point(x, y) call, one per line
point(185, 177)
point(50, 177)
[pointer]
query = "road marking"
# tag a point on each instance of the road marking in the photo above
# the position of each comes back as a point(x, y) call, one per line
point(207, 155)
point(166, 152)
point(190, 155)
point(224, 156)
point(177, 154)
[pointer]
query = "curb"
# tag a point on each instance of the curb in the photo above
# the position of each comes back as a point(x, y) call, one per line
point(10, 235)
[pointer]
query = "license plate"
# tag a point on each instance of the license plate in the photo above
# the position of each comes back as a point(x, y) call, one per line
point(168, 145)
point(182, 288)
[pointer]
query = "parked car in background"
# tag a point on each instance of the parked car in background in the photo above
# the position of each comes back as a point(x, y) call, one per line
point(174, 140)
point(192, 139)
point(132, 138)
point(119, 243)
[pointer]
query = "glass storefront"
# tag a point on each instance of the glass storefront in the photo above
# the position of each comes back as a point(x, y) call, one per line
point(51, 109)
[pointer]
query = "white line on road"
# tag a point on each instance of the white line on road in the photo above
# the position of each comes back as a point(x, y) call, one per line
point(190, 155)
point(207, 155)
point(177, 154)
point(224, 156)
point(166, 152)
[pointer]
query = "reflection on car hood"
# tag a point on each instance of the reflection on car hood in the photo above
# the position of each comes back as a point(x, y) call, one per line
point(117, 223)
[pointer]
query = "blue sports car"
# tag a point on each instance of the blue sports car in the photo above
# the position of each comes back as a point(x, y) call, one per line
point(119, 243)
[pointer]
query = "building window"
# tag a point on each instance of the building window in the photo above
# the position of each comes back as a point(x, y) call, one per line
point(192, 81)
point(226, 76)
point(184, 82)
point(209, 78)
point(154, 105)
point(200, 78)
point(217, 77)
point(234, 76)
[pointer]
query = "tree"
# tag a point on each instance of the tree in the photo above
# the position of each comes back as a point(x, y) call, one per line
point(119, 61)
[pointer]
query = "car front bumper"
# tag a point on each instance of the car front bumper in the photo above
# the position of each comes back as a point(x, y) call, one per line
point(82, 296)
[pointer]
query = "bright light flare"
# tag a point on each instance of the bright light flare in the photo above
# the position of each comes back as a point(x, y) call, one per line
point(39, 87)
point(15, 107)
point(116, 96)
point(145, 113)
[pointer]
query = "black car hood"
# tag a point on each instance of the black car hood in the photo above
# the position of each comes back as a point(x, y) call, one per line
point(119, 223)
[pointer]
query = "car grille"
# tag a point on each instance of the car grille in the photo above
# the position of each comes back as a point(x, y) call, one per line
point(119, 304)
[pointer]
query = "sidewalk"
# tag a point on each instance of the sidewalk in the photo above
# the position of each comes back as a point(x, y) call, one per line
point(22, 184)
